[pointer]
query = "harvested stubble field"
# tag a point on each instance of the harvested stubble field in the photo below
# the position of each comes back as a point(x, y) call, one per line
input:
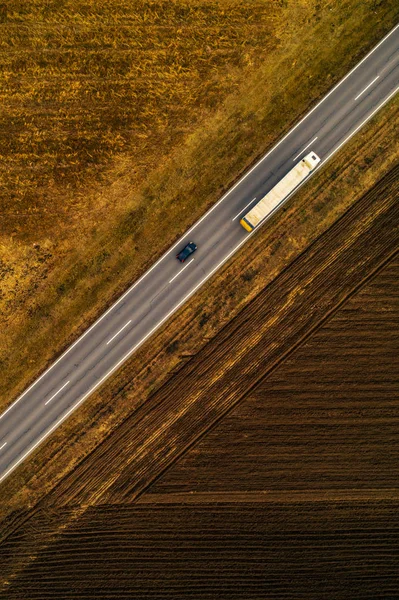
point(122, 122)
point(286, 483)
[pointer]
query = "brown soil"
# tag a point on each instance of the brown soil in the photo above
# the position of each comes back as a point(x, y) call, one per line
point(251, 550)
point(293, 494)
point(323, 426)
point(240, 364)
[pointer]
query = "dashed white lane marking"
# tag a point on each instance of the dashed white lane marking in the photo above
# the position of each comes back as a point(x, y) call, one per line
point(56, 393)
point(2, 446)
point(181, 271)
point(170, 313)
point(395, 91)
point(57, 423)
point(132, 350)
point(305, 148)
point(367, 87)
point(118, 332)
point(242, 210)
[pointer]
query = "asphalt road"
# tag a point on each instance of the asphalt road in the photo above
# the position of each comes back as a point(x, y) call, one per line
point(168, 283)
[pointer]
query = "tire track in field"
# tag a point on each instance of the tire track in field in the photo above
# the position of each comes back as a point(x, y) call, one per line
point(247, 349)
point(244, 352)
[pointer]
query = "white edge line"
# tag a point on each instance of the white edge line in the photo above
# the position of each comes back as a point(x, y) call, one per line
point(396, 90)
point(118, 332)
point(199, 221)
point(115, 367)
point(56, 393)
point(210, 274)
point(367, 87)
point(305, 148)
point(122, 360)
point(1, 447)
point(242, 210)
point(181, 271)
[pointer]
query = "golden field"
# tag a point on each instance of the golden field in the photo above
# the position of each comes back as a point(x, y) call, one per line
point(78, 226)
point(119, 118)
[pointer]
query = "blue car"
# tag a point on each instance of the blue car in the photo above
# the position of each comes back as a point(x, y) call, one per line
point(186, 252)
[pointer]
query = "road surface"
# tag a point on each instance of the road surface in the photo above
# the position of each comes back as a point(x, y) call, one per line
point(168, 284)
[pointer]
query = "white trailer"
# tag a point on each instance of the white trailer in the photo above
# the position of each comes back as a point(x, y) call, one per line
point(281, 190)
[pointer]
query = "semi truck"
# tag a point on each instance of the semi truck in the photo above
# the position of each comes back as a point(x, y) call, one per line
point(279, 193)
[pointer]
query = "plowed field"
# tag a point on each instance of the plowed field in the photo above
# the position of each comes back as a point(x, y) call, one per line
point(292, 495)
point(222, 551)
point(324, 425)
